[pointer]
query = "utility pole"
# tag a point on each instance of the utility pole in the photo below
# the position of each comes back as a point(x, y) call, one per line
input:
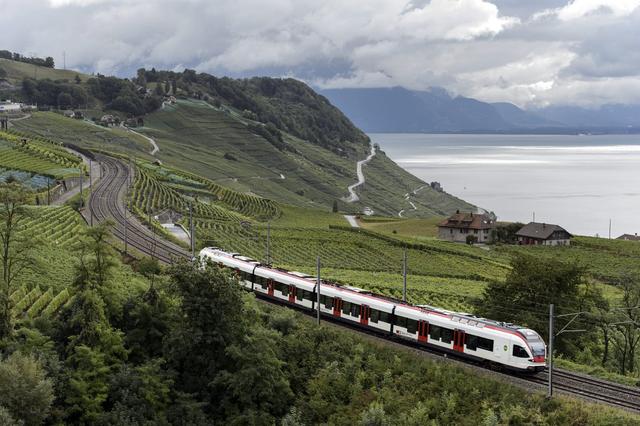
point(550, 354)
point(191, 231)
point(404, 275)
point(48, 191)
point(91, 193)
point(609, 228)
point(81, 197)
point(318, 286)
point(268, 243)
point(534, 216)
point(125, 229)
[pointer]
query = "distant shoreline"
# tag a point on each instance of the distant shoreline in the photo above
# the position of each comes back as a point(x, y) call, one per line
point(524, 132)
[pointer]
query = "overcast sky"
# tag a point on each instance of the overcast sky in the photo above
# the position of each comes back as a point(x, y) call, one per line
point(530, 52)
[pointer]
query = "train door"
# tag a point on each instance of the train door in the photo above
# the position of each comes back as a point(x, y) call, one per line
point(270, 287)
point(364, 314)
point(458, 341)
point(423, 331)
point(292, 293)
point(337, 307)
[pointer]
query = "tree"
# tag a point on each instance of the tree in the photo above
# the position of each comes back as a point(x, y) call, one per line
point(212, 319)
point(25, 391)
point(3, 73)
point(64, 100)
point(626, 335)
point(167, 87)
point(531, 286)
point(335, 206)
point(48, 62)
point(16, 244)
point(77, 79)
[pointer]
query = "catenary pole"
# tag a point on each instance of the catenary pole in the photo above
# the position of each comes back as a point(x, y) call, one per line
point(191, 231)
point(404, 275)
point(91, 191)
point(268, 243)
point(125, 229)
point(318, 286)
point(550, 350)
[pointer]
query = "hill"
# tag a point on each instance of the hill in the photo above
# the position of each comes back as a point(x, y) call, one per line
point(220, 144)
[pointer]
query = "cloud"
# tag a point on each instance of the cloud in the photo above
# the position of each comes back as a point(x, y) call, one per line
point(530, 53)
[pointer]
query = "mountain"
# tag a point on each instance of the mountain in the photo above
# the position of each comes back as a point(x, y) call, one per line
point(606, 116)
point(401, 110)
point(276, 138)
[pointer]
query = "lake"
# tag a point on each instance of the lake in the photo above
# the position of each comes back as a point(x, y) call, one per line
point(578, 182)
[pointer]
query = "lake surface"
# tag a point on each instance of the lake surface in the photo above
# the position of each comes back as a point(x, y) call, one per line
point(578, 182)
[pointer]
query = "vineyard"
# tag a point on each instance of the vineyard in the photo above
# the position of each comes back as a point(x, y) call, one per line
point(40, 292)
point(21, 152)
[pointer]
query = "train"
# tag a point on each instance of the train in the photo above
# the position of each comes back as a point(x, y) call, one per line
point(492, 343)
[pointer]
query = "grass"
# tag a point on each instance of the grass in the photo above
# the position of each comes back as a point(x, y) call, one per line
point(16, 71)
point(412, 229)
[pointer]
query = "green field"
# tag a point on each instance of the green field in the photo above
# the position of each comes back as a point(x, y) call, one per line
point(16, 71)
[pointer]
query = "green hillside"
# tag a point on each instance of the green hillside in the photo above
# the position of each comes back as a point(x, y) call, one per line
point(16, 71)
point(216, 143)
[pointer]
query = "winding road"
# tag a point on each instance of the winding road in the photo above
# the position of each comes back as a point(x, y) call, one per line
point(353, 197)
point(153, 143)
point(108, 203)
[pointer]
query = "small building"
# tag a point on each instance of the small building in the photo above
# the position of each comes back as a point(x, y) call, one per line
point(629, 237)
point(8, 106)
point(462, 225)
point(544, 234)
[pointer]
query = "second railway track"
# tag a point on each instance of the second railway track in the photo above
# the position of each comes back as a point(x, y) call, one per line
point(107, 203)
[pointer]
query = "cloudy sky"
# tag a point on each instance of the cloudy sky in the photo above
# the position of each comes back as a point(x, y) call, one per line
point(530, 52)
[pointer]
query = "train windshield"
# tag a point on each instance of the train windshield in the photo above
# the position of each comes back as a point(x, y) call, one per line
point(535, 342)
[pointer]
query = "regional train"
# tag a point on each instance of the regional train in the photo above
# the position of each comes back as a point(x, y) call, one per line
point(489, 342)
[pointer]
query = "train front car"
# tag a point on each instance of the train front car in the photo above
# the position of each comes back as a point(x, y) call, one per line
point(536, 359)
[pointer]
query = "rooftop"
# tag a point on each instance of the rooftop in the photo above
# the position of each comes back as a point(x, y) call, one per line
point(539, 230)
point(468, 221)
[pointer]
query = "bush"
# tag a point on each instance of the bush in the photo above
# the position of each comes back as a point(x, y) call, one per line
point(472, 239)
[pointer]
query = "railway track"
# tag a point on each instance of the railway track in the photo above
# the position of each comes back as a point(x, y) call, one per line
point(107, 203)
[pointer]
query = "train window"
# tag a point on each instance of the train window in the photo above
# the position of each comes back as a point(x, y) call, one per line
point(435, 332)
point(374, 315)
point(355, 310)
point(447, 335)
point(412, 326)
point(299, 293)
point(486, 344)
point(262, 281)
point(384, 317)
point(328, 301)
point(471, 341)
point(520, 352)
point(346, 308)
point(401, 322)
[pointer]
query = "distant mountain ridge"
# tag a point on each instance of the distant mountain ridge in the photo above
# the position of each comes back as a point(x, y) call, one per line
point(399, 110)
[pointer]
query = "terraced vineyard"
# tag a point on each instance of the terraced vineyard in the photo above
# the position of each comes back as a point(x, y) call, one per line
point(35, 303)
point(22, 152)
point(248, 205)
point(59, 226)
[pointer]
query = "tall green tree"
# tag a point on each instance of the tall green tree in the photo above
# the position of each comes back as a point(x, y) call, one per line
point(25, 391)
point(16, 245)
point(211, 303)
point(532, 285)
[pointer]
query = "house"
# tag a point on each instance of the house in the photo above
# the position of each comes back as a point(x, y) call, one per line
point(545, 234)
point(8, 106)
point(460, 226)
point(629, 237)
